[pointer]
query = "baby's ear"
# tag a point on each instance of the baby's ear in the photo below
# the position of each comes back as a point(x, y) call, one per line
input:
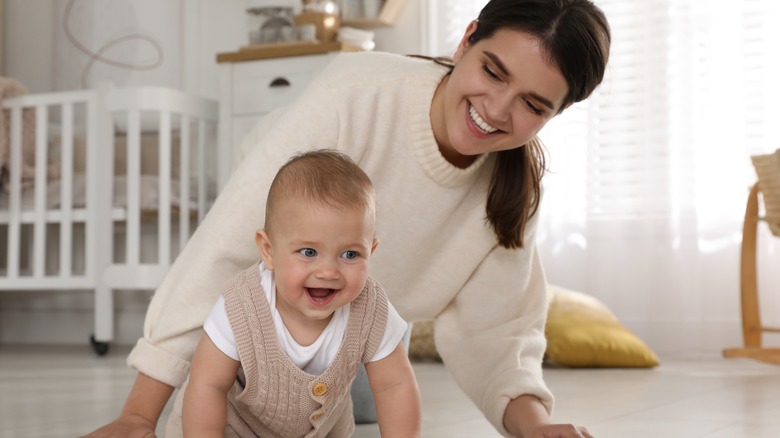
point(263, 243)
point(376, 243)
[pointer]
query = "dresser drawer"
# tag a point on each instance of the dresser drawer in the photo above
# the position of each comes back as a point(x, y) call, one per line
point(260, 87)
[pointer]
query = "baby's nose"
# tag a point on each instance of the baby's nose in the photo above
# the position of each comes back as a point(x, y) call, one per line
point(327, 270)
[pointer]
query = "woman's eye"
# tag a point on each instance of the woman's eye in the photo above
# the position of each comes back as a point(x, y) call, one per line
point(490, 72)
point(350, 255)
point(533, 108)
point(307, 252)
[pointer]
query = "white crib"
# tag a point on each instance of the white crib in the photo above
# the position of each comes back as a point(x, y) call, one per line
point(101, 189)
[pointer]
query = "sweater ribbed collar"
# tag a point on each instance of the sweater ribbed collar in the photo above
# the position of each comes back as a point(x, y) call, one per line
point(424, 143)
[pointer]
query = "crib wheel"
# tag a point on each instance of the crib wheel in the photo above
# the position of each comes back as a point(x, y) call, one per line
point(101, 348)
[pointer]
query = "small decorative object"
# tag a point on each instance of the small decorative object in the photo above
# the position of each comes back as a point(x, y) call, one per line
point(307, 32)
point(362, 39)
point(324, 14)
point(270, 21)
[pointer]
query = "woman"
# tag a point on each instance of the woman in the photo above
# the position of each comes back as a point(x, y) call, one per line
point(453, 155)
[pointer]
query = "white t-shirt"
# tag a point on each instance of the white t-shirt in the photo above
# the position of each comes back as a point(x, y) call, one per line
point(315, 358)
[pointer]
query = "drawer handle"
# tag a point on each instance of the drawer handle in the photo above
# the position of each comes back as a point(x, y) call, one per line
point(280, 82)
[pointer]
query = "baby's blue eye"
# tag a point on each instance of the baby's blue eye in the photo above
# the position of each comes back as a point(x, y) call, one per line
point(349, 255)
point(308, 252)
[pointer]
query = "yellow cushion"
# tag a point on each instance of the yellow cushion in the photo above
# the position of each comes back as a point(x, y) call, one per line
point(421, 344)
point(582, 332)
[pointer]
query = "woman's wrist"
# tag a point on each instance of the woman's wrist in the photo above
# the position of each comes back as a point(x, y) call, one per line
point(523, 415)
point(146, 400)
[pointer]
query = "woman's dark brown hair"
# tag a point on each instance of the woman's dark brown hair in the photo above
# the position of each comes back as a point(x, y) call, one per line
point(575, 36)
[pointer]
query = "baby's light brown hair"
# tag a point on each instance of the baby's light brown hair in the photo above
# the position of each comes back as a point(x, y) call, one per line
point(325, 177)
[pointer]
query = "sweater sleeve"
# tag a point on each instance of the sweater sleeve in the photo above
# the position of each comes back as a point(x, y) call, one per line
point(491, 336)
point(223, 243)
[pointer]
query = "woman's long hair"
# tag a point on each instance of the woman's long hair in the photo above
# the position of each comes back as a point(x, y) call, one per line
point(575, 37)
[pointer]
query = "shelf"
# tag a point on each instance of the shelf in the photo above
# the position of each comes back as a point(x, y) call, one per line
point(281, 50)
point(391, 10)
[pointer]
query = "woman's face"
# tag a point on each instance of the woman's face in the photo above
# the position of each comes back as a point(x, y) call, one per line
point(501, 92)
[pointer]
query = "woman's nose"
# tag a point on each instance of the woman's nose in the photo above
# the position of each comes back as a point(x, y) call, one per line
point(497, 107)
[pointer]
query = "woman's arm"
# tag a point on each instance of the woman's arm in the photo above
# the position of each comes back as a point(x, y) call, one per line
point(491, 335)
point(396, 395)
point(204, 412)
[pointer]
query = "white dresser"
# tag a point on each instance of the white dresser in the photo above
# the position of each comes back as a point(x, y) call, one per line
point(250, 88)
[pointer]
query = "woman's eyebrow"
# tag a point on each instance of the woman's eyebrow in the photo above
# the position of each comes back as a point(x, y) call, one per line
point(500, 65)
point(544, 101)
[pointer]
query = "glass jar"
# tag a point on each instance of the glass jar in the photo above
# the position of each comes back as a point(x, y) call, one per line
point(324, 14)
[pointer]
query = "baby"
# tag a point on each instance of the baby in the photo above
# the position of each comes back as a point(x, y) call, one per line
point(282, 345)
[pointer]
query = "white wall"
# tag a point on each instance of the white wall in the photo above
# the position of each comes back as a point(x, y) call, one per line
point(190, 32)
point(28, 29)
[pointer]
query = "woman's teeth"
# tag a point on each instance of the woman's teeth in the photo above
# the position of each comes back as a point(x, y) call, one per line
point(483, 125)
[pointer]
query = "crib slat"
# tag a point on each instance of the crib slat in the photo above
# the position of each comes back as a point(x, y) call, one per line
point(41, 164)
point(100, 176)
point(97, 238)
point(15, 187)
point(164, 208)
point(184, 181)
point(133, 236)
point(66, 191)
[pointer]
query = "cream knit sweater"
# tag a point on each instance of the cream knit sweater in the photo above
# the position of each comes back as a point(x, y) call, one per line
point(437, 257)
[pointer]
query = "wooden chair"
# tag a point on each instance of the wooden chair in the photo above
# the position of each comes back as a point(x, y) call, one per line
point(768, 186)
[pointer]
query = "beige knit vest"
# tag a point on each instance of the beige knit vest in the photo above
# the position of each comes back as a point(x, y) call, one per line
point(272, 396)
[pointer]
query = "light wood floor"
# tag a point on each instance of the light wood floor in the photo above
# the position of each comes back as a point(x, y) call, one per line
point(65, 392)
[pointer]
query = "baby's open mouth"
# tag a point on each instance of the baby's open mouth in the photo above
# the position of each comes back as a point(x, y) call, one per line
point(320, 295)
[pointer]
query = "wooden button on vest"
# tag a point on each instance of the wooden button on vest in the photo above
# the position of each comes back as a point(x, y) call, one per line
point(319, 389)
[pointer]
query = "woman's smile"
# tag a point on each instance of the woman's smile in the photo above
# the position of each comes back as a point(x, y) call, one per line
point(478, 125)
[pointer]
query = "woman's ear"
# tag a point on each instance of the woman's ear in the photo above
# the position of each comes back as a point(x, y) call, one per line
point(464, 42)
point(263, 243)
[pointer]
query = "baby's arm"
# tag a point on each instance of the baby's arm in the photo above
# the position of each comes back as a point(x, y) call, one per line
point(204, 412)
point(396, 395)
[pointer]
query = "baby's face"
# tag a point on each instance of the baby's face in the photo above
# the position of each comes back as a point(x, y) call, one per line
point(319, 256)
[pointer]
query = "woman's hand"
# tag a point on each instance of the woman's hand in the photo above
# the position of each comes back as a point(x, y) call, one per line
point(130, 426)
point(141, 412)
point(526, 417)
point(559, 431)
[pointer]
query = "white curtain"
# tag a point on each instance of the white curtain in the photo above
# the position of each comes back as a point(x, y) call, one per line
point(648, 178)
